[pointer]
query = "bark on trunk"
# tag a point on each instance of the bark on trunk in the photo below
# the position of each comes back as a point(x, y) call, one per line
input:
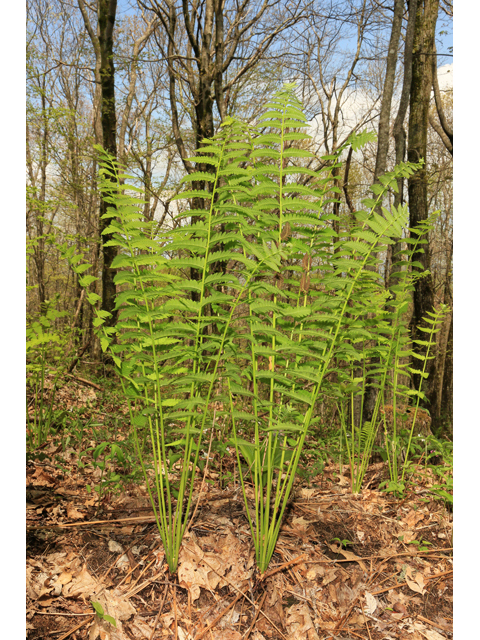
point(106, 21)
point(423, 48)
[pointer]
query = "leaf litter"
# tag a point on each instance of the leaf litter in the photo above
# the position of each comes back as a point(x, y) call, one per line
point(375, 584)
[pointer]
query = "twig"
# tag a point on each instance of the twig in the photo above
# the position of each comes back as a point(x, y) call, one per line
point(366, 623)
point(58, 613)
point(79, 626)
point(245, 637)
point(146, 519)
point(204, 474)
point(219, 617)
point(175, 610)
point(433, 624)
point(283, 566)
point(89, 383)
point(237, 589)
point(159, 613)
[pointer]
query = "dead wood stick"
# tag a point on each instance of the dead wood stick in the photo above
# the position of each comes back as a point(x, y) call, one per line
point(159, 613)
point(204, 474)
point(89, 383)
point(80, 353)
point(59, 613)
point(146, 519)
point(79, 626)
point(403, 584)
point(192, 551)
point(246, 636)
point(285, 565)
point(219, 617)
point(434, 624)
point(366, 623)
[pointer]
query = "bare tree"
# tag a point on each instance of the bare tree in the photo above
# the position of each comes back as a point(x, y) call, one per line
point(210, 46)
point(423, 49)
point(102, 42)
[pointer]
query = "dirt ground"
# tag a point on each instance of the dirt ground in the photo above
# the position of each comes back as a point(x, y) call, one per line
point(345, 566)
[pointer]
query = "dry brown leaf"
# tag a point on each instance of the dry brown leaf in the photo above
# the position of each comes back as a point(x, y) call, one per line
point(330, 575)
point(371, 603)
point(412, 518)
point(348, 555)
point(314, 571)
point(82, 585)
point(43, 479)
point(299, 623)
point(227, 634)
point(74, 514)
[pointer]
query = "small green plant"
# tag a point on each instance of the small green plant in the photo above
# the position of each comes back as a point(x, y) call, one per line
point(343, 543)
point(421, 544)
point(102, 615)
point(45, 352)
point(105, 456)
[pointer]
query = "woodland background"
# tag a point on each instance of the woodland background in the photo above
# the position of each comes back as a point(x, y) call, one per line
point(150, 80)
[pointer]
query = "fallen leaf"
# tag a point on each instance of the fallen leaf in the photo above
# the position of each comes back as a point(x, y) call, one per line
point(299, 623)
point(82, 585)
point(114, 547)
point(371, 601)
point(74, 514)
point(227, 634)
point(417, 584)
point(347, 554)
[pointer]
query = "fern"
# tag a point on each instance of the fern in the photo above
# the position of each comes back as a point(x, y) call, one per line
point(252, 297)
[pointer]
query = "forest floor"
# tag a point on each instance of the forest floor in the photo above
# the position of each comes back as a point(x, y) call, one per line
point(345, 566)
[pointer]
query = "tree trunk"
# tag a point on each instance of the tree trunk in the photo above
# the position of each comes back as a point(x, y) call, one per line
point(106, 21)
point(381, 162)
point(388, 86)
point(423, 49)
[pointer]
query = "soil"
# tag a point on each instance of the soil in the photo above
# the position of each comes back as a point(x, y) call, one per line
point(345, 566)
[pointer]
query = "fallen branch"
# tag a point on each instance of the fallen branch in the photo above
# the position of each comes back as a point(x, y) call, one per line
point(89, 383)
point(79, 626)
